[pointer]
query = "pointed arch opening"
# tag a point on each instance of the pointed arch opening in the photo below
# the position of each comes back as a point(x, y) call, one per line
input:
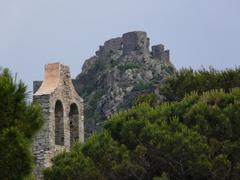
point(59, 123)
point(74, 123)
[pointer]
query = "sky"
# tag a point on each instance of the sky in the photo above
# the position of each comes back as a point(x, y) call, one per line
point(199, 33)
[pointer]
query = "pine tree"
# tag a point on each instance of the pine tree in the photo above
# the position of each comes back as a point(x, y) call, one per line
point(19, 121)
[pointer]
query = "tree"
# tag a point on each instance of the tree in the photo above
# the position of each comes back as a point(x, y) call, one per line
point(185, 81)
point(100, 157)
point(195, 138)
point(19, 121)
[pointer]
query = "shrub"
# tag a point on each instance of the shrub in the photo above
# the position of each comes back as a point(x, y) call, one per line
point(125, 67)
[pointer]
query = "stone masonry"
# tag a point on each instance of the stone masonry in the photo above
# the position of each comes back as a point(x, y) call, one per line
point(131, 43)
point(63, 116)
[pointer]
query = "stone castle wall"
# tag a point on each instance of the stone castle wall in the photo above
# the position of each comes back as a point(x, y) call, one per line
point(134, 42)
point(63, 116)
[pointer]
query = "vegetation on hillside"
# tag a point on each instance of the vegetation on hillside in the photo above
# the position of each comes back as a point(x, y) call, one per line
point(112, 79)
point(193, 135)
point(19, 121)
point(196, 136)
point(185, 81)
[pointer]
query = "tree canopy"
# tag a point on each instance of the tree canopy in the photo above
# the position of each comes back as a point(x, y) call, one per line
point(19, 121)
point(195, 138)
point(195, 135)
point(184, 81)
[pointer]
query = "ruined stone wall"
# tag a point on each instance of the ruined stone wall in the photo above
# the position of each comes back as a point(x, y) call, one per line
point(136, 41)
point(160, 53)
point(46, 143)
point(131, 43)
point(112, 45)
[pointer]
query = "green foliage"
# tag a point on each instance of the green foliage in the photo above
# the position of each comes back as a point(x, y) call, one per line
point(113, 62)
point(150, 98)
point(15, 161)
point(164, 176)
point(72, 165)
point(99, 66)
point(96, 97)
point(187, 80)
point(140, 92)
point(196, 138)
point(99, 158)
point(141, 86)
point(87, 90)
point(125, 67)
point(19, 122)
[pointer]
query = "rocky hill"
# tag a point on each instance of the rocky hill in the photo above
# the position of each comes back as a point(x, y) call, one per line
point(122, 69)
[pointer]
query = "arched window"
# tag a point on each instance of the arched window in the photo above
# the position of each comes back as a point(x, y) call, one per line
point(73, 122)
point(59, 123)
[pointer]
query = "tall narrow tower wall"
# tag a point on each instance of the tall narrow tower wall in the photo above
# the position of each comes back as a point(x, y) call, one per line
point(63, 115)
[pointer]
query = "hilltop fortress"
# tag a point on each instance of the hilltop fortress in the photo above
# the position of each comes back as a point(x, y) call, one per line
point(133, 42)
point(121, 69)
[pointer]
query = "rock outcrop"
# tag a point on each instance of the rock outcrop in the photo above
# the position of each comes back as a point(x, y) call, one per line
point(122, 69)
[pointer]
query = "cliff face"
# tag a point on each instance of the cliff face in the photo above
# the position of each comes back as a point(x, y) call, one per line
point(122, 69)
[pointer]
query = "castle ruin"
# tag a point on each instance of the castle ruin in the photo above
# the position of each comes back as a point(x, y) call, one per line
point(134, 42)
point(63, 116)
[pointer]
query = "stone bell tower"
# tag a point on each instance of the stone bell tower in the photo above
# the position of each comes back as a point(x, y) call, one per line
point(63, 115)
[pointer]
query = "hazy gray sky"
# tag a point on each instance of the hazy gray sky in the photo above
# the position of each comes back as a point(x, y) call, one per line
point(36, 32)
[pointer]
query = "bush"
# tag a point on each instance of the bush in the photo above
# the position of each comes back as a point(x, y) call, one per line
point(125, 67)
point(141, 86)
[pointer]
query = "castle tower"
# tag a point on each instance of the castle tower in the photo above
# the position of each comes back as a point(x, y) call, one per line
point(63, 115)
point(160, 53)
point(135, 41)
